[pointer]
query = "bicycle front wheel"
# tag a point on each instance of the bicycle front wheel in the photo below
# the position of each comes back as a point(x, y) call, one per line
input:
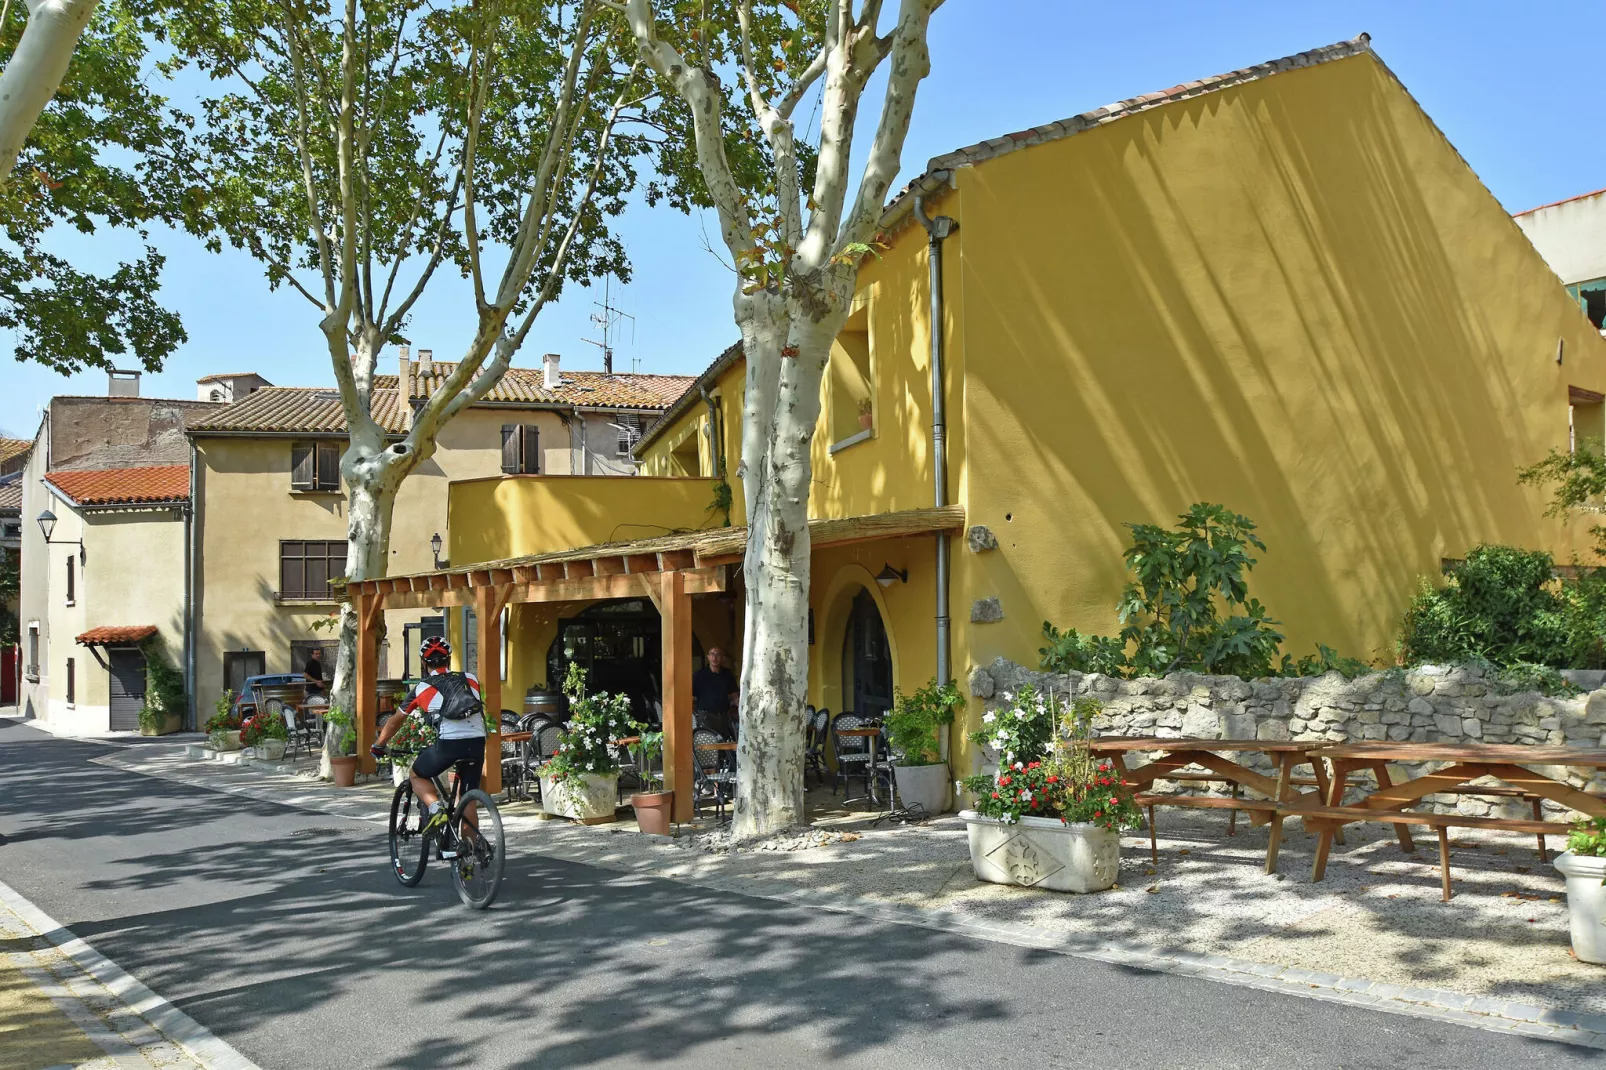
point(477, 870)
point(409, 848)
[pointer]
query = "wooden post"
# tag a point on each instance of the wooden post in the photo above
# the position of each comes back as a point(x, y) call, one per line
point(488, 614)
point(675, 630)
point(368, 608)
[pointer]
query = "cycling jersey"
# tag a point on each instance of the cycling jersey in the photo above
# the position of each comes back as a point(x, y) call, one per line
point(428, 700)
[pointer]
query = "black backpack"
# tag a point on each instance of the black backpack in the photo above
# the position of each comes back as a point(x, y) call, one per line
point(458, 700)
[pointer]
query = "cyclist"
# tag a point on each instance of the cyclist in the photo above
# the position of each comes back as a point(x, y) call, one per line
point(451, 701)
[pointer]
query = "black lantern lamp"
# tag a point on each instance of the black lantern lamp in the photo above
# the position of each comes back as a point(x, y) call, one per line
point(47, 526)
point(889, 575)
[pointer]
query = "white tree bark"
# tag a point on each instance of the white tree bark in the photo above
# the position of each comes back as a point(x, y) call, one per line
point(787, 329)
point(35, 70)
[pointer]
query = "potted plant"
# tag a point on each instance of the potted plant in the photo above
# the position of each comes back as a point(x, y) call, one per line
point(653, 806)
point(582, 779)
point(343, 763)
point(413, 736)
point(1050, 816)
point(267, 734)
point(866, 419)
point(1584, 866)
point(223, 727)
point(912, 727)
point(155, 722)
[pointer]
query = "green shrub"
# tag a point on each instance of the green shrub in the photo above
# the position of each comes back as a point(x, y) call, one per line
point(912, 723)
point(164, 685)
point(1325, 660)
point(1071, 651)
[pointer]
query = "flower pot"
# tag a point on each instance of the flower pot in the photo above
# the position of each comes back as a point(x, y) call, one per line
point(167, 725)
point(344, 770)
point(866, 421)
point(652, 811)
point(271, 749)
point(1586, 903)
point(589, 798)
point(1041, 852)
point(401, 767)
point(224, 739)
point(925, 786)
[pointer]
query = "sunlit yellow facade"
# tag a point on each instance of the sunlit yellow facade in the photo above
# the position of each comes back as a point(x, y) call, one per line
point(1287, 294)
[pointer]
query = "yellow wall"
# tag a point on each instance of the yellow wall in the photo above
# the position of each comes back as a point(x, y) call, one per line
point(1291, 297)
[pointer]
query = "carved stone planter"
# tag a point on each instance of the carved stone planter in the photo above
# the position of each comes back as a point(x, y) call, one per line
point(589, 799)
point(1586, 903)
point(1041, 852)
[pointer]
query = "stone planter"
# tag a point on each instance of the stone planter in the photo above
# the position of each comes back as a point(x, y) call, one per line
point(1041, 852)
point(925, 786)
point(271, 749)
point(1586, 903)
point(167, 725)
point(587, 799)
point(224, 739)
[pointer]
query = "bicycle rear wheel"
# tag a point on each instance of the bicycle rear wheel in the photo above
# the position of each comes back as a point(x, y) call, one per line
point(477, 870)
point(409, 849)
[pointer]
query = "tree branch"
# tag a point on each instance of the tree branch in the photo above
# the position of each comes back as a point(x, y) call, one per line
point(35, 70)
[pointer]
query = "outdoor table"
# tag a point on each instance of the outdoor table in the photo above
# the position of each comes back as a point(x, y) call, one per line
point(1468, 762)
point(1209, 754)
point(872, 733)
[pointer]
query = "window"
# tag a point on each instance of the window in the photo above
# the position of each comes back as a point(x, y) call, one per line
point(521, 449)
point(684, 459)
point(849, 382)
point(240, 665)
point(72, 683)
point(13, 529)
point(315, 466)
point(33, 651)
point(1586, 420)
point(305, 569)
point(72, 586)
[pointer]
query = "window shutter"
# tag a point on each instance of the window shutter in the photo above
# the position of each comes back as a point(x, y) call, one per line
point(328, 466)
point(510, 449)
point(291, 584)
point(532, 450)
point(302, 461)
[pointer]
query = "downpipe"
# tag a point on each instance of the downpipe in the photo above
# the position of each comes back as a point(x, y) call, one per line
point(938, 229)
point(192, 714)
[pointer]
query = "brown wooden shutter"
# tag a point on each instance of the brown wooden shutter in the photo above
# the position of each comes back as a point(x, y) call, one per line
point(532, 450)
point(328, 466)
point(510, 449)
point(302, 464)
point(291, 581)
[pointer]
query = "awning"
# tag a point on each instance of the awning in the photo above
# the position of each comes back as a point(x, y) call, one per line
point(117, 635)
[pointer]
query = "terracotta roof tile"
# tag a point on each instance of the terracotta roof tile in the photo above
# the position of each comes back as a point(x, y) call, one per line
point(124, 486)
point(110, 634)
point(307, 409)
point(11, 496)
point(13, 447)
point(584, 388)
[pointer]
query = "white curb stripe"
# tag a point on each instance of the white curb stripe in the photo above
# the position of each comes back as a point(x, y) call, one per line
point(197, 1040)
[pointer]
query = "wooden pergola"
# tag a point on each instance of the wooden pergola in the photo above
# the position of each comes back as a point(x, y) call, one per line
point(669, 570)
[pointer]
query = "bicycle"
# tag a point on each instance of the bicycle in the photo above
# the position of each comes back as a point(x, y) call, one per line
point(475, 848)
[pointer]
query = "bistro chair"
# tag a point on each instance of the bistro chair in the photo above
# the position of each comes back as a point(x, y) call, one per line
point(709, 772)
point(852, 753)
point(543, 745)
point(514, 780)
point(818, 740)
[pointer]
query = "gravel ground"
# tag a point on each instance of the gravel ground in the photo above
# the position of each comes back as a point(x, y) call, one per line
point(1377, 915)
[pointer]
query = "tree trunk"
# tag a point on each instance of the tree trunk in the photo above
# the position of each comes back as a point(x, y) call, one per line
point(36, 69)
point(775, 653)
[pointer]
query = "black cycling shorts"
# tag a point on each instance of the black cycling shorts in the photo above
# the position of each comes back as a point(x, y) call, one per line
point(441, 755)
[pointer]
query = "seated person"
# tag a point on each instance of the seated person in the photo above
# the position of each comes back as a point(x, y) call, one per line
point(714, 694)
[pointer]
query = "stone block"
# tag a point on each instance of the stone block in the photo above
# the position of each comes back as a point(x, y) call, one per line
point(980, 539)
point(1201, 721)
point(1369, 716)
point(1421, 706)
point(1472, 727)
point(986, 611)
point(1373, 731)
point(1395, 717)
point(1272, 730)
point(1399, 733)
point(1447, 725)
point(981, 683)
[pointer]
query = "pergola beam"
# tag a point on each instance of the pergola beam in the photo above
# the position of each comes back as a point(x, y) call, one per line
point(582, 589)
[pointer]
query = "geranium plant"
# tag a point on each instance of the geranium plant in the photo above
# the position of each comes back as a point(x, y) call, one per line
point(1045, 768)
point(412, 737)
point(263, 726)
point(585, 748)
point(226, 719)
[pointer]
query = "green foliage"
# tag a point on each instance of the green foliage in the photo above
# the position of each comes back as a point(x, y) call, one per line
point(225, 719)
point(1578, 481)
point(1588, 837)
point(10, 587)
point(1071, 651)
point(107, 152)
point(913, 722)
point(413, 736)
point(343, 728)
point(722, 501)
point(585, 747)
point(1325, 660)
point(647, 752)
point(263, 726)
point(164, 684)
point(1045, 767)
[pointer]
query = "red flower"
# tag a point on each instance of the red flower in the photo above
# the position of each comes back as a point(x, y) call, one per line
point(995, 794)
point(1113, 803)
point(1104, 780)
point(1098, 813)
point(1053, 780)
point(1034, 804)
point(1033, 765)
point(1004, 781)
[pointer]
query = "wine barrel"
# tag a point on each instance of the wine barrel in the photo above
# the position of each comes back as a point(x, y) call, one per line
point(553, 705)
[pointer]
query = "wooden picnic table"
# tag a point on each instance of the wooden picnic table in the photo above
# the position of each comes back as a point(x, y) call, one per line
point(1210, 754)
point(1391, 802)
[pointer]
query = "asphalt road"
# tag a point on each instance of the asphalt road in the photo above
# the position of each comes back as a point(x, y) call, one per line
point(283, 932)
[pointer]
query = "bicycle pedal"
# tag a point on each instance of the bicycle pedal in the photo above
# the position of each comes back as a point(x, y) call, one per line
point(447, 856)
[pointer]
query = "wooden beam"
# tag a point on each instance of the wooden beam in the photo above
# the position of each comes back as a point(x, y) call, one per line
point(587, 588)
point(677, 559)
point(487, 615)
point(501, 577)
point(480, 577)
point(641, 562)
point(549, 571)
point(573, 570)
point(456, 581)
point(609, 566)
point(676, 646)
point(526, 574)
point(369, 610)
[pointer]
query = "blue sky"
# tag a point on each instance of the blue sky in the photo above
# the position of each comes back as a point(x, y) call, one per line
point(1509, 83)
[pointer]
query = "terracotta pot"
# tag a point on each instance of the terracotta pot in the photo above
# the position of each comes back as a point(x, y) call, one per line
point(344, 769)
point(652, 811)
point(866, 421)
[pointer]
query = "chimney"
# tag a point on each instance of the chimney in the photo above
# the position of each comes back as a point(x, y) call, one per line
point(404, 388)
point(121, 384)
point(550, 378)
point(426, 365)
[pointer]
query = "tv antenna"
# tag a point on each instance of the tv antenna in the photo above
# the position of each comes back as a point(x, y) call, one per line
point(608, 318)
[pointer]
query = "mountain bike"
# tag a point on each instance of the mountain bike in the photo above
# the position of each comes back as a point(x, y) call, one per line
point(472, 844)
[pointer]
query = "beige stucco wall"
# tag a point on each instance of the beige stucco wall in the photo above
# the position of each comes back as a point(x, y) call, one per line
point(247, 508)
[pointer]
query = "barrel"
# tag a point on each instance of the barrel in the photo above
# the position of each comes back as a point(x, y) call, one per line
point(550, 704)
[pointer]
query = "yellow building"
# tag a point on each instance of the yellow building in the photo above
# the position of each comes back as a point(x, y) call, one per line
point(271, 514)
point(1280, 289)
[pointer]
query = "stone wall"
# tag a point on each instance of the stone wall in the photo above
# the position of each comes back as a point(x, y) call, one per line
point(1427, 704)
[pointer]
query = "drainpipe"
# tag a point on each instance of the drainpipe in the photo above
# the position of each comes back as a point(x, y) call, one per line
point(578, 465)
point(936, 230)
point(716, 433)
point(189, 593)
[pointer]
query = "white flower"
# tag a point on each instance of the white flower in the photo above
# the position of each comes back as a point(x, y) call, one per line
point(1019, 766)
point(1005, 695)
point(989, 717)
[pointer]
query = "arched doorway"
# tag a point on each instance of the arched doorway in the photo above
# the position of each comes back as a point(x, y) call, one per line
point(866, 659)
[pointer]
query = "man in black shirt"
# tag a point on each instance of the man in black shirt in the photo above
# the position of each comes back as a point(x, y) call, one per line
point(714, 693)
point(314, 673)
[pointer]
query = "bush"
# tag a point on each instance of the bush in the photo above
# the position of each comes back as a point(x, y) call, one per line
point(586, 747)
point(912, 723)
point(1071, 651)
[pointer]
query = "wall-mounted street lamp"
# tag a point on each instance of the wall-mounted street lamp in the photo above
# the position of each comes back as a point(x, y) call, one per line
point(435, 548)
point(889, 575)
point(47, 525)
